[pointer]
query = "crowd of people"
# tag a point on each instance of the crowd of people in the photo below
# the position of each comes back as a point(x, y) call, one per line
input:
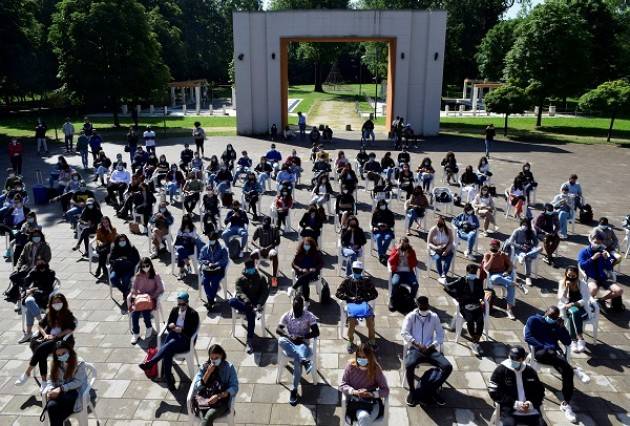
point(217, 232)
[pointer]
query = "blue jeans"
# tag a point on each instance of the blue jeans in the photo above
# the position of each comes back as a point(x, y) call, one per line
point(174, 343)
point(469, 237)
point(262, 180)
point(383, 239)
point(248, 311)
point(211, 283)
point(73, 214)
point(508, 283)
point(135, 320)
point(171, 188)
point(353, 255)
point(412, 216)
point(529, 258)
point(232, 231)
point(425, 179)
point(407, 277)
point(442, 263)
point(84, 158)
point(487, 146)
point(31, 310)
point(121, 280)
point(297, 353)
point(564, 217)
point(183, 253)
point(389, 172)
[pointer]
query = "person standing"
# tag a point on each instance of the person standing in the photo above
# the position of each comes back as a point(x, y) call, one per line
point(302, 124)
point(132, 143)
point(15, 154)
point(40, 137)
point(82, 147)
point(68, 134)
point(199, 135)
point(149, 139)
point(489, 133)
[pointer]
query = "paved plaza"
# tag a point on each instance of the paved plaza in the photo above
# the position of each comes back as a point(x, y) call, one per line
point(124, 396)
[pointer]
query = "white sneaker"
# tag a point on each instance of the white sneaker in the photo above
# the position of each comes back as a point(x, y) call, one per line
point(581, 345)
point(442, 280)
point(568, 412)
point(574, 347)
point(521, 258)
point(22, 379)
point(290, 292)
point(134, 338)
point(485, 233)
point(510, 315)
point(476, 350)
point(25, 338)
point(528, 282)
point(148, 333)
point(584, 378)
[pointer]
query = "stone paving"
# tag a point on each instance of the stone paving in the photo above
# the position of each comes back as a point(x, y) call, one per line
point(125, 396)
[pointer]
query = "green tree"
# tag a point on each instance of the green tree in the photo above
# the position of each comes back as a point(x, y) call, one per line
point(493, 49)
point(506, 100)
point(611, 98)
point(545, 58)
point(322, 55)
point(107, 52)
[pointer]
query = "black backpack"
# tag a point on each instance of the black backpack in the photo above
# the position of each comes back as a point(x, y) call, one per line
point(324, 296)
point(586, 214)
point(427, 386)
point(402, 300)
point(443, 197)
point(234, 248)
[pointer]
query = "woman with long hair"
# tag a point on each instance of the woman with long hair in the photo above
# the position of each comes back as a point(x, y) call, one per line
point(441, 248)
point(363, 383)
point(573, 299)
point(105, 236)
point(147, 287)
point(58, 325)
point(307, 265)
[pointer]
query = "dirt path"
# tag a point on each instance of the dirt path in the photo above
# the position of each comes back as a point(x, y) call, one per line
point(336, 114)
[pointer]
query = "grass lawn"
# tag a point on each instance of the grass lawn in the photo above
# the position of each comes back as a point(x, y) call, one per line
point(589, 130)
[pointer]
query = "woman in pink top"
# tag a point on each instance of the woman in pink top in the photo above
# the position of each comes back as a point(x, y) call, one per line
point(364, 383)
point(146, 282)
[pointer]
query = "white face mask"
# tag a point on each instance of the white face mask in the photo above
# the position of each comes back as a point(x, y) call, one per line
point(162, 209)
point(146, 268)
point(471, 277)
point(212, 242)
point(383, 208)
point(423, 313)
point(57, 306)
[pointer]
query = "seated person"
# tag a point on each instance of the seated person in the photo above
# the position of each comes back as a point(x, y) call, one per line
point(404, 157)
point(524, 245)
point(212, 169)
point(123, 260)
point(598, 265)
point(423, 335)
point(575, 189)
point(357, 291)
point(312, 222)
point(341, 161)
point(402, 263)
point(515, 386)
point(192, 190)
point(282, 205)
point(547, 227)
point(273, 155)
point(498, 267)
point(406, 180)
point(184, 245)
point(352, 242)
point(608, 237)
point(160, 171)
point(185, 158)
point(14, 217)
point(364, 384)
point(327, 134)
point(348, 178)
point(564, 205)
point(36, 248)
point(529, 183)
point(307, 265)
point(468, 292)
point(467, 225)
point(243, 167)
point(345, 206)
point(21, 237)
point(264, 171)
point(211, 215)
point(39, 285)
point(425, 173)
point(140, 158)
point(252, 191)
point(266, 239)
point(485, 209)
point(285, 177)
point(182, 325)
point(322, 190)
point(573, 300)
point(388, 165)
point(295, 164)
point(362, 158)
point(251, 295)
point(295, 330)
point(228, 157)
point(118, 182)
point(415, 208)
point(161, 222)
point(383, 221)
point(217, 381)
point(516, 197)
point(77, 203)
point(469, 183)
point(367, 130)
point(174, 181)
point(197, 163)
point(236, 225)
point(372, 168)
point(213, 262)
point(441, 248)
point(542, 334)
point(146, 283)
point(449, 163)
point(314, 135)
point(483, 171)
point(88, 220)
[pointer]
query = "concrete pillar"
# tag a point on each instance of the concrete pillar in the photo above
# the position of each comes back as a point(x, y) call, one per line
point(552, 110)
point(183, 95)
point(461, 109)
point(124, 109)
point(184, 109)
point(446, 109)
point(173, 97)
point(210, 110)
point(197, 99)
point(233, 97)
point(165, 110)
point(536, 110)
point(138, 109)
point(151, 109)
point(475, 95)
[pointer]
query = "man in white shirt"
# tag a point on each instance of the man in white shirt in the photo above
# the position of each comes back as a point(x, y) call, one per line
point(119, 180)
point(423, 336)
point(68, 134)
point(149, 139)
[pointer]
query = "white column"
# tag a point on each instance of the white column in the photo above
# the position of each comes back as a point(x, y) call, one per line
point(138, 109)
point(124, 108)
point(183, 95)
point(151, 109)
point(173, 97)
point(197, 99)
point(184, 109)
point(475, 94)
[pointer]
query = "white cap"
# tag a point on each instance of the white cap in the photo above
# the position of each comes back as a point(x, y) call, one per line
point(357, 264)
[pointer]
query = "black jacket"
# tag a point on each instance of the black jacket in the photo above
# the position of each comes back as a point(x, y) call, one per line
point(359, 237)
point(460, 290)
point(383, 216)
point(252, 289)
point(191, 321)
point(43, 282)
point(502, 386)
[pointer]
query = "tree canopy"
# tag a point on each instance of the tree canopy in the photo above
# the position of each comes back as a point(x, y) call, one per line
point(611, 98)
point(494, 48)
point(506, 100)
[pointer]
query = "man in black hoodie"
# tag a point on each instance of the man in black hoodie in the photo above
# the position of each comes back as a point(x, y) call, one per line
point(515, 386)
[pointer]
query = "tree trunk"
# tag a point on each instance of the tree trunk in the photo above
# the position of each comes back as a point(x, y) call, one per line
point(612, 123)
point(539, 116)
point(318, 79)
point(505, 126)
point(115, 113)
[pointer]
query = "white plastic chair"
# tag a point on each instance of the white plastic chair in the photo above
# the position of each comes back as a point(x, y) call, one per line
point(237, 315)
point(245, 204)
point(86, 402)
point(157, 312)
point(193, 260)
point(470, 190)
point(593, 312)
point(389, 280)
point(431, 263)
point(459, 240)
point(283, 360)
point(56, 289)
point(273, 213)
point(422, 221)
point(196, 420)
point(190, 356)
point(626, 242)
point(446, 207)
point(456, 175)
point(531, 360)
point(486, 313)
point(508, 204)
point(319, 283)
point(382, 421)
point(343, 316)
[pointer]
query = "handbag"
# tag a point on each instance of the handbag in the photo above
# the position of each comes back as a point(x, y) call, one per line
point(360, 310)
point(142, 302)
point(201, 402)
point(355, 404)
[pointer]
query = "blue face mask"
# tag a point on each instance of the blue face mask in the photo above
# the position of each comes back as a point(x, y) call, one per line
point(362, 362)
point(357, 276)
point(307, 247)
point(250, 271)
point(471, 277)
point(550, 320)
point(64, 358)
point(515, 364)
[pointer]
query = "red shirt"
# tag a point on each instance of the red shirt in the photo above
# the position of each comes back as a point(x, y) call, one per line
point(15, 149)
point(412, 260)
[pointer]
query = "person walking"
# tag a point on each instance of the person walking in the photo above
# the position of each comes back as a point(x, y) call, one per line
point(16, 149)
point(68, 135)
point(490, 132)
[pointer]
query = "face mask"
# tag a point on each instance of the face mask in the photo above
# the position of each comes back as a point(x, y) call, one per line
point(186, 229)
point(18, 205)
point(307, 247)
point(162, 209)
point(63, 358)
point(76, 179)
point(212, 242)
point(36, 239)
point(146, 268)
point(57, 306)
point(250, 271)
point(468, 212)
point(120, 168)
point(549, 213)
point(423, 313)
point(90, 206)
point(523, 228)
point(362, 362)
point(122, 243)
point(30, 220)
point(516, 365)
point(357, 275)
point(217, 362)
point(182, 307)
point(471, 277)
point(550, 320)
point(383, 208)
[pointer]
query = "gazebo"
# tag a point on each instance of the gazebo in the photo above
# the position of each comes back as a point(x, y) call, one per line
point(194, 92)
point(479, 89)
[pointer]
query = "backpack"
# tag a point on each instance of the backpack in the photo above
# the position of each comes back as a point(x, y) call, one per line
point(234, 248)
point(492, 190)
point(402, 300)
point(227, 199)
point(586, 214)
point(427, 386)
point(324, 295)
point(151, 373)
point(457, 200)
point(443, 197)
